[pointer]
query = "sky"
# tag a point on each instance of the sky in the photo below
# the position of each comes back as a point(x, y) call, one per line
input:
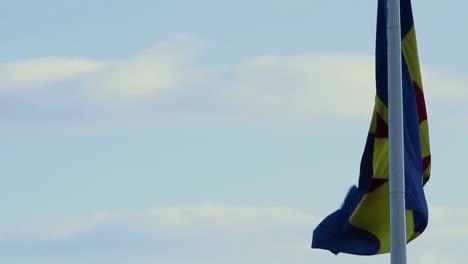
point(208, 131)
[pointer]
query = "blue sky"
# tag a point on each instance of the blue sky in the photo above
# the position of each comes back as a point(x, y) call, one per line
point(189, 131)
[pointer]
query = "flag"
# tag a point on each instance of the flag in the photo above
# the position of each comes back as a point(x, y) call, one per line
point(361, 226)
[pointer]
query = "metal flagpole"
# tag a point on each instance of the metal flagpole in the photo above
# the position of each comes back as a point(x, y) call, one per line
point(396, 141)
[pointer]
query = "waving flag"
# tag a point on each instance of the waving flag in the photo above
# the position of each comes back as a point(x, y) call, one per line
point(361, 226)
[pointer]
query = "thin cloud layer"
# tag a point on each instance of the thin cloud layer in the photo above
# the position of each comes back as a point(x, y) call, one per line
point(209, 234)
point(195, 234)
point(165, 83)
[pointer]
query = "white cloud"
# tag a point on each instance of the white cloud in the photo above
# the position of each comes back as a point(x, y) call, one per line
point(164, 66)
point(306, 86)
point(185, 219)
point(448, 223)
point(44, 71)
point(213, 234)
point(445, 87)
point(429, 257)
point(164, 81)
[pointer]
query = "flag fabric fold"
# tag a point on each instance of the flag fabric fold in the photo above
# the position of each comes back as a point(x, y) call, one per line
point(361, 226)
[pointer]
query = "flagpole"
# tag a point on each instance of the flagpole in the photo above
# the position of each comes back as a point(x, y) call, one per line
point(396, 141)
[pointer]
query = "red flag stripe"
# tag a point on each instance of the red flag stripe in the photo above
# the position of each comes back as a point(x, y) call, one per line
point(420, 102)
